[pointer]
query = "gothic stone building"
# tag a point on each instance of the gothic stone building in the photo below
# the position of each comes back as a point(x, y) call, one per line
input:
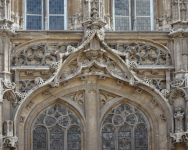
point(93, 74)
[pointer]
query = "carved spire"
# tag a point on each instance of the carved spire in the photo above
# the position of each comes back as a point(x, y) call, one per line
point(94, 22)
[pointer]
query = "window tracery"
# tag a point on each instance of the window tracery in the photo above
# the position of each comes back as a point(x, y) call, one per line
point(57, 128)
point(125, 127)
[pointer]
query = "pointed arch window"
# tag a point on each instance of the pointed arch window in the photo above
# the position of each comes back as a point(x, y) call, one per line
point(125, 128)
point(133, 15)
point(46, 15)
point(57, 128)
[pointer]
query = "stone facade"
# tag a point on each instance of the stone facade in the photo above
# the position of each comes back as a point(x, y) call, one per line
point(91, 71)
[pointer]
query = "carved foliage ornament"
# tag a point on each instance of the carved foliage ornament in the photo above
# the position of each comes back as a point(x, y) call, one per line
point(143, 54)
point(93, 60)
point(8, 84)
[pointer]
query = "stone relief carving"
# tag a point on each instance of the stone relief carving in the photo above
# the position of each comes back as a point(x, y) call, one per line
point(8, 84)
point(143, 54)
point(30, 104)
point(179, 115)
point(179, 136)
point(105, 97)
point(92, 57)
point(40, 54)
point(154, 102)
point(30, 73)
point(140, 72)
point(10, 142)
point(138, 90)
point(77, 97)
point(163, 117)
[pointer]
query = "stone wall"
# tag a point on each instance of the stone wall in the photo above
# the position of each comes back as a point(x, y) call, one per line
point(91, 69)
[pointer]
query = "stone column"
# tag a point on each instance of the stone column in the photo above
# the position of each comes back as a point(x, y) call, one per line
point(5, 51)
point(168, 80)
point(92, 117)
point(1, 115)
point(186, 113)
point(46, 16)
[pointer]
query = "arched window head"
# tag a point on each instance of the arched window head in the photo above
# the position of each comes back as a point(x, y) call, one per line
point(124, 128)
point(133, 15)
point(57, 128)
point(46, 15)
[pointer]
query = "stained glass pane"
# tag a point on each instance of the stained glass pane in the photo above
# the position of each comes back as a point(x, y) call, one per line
point(56, 22)
point(39, 139)
point(141, 138)
point(108, 139)
point(121, 23)
point(122, 7)
point(34, 6)
point(56, 6)
point(34, 22)
point(56, 139)
point(143, 23)
point(124, 138)
point(142, 7)
point(74, 138)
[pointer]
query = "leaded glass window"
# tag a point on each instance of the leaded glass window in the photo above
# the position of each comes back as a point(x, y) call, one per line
point(46, 14)
point(141, 138)
point(122, 15)
point(133, 15)
point(124, 128)
point(56, 14)
point(108, 141)
point(34, 14)
point(56, 138)
point(55, 126)
point(143, 13)
point(39, 138)
point(74, 138)
point(124, 137)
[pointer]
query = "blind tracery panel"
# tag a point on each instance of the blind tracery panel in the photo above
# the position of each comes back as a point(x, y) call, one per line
point(55, 126)
point(125, 128)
